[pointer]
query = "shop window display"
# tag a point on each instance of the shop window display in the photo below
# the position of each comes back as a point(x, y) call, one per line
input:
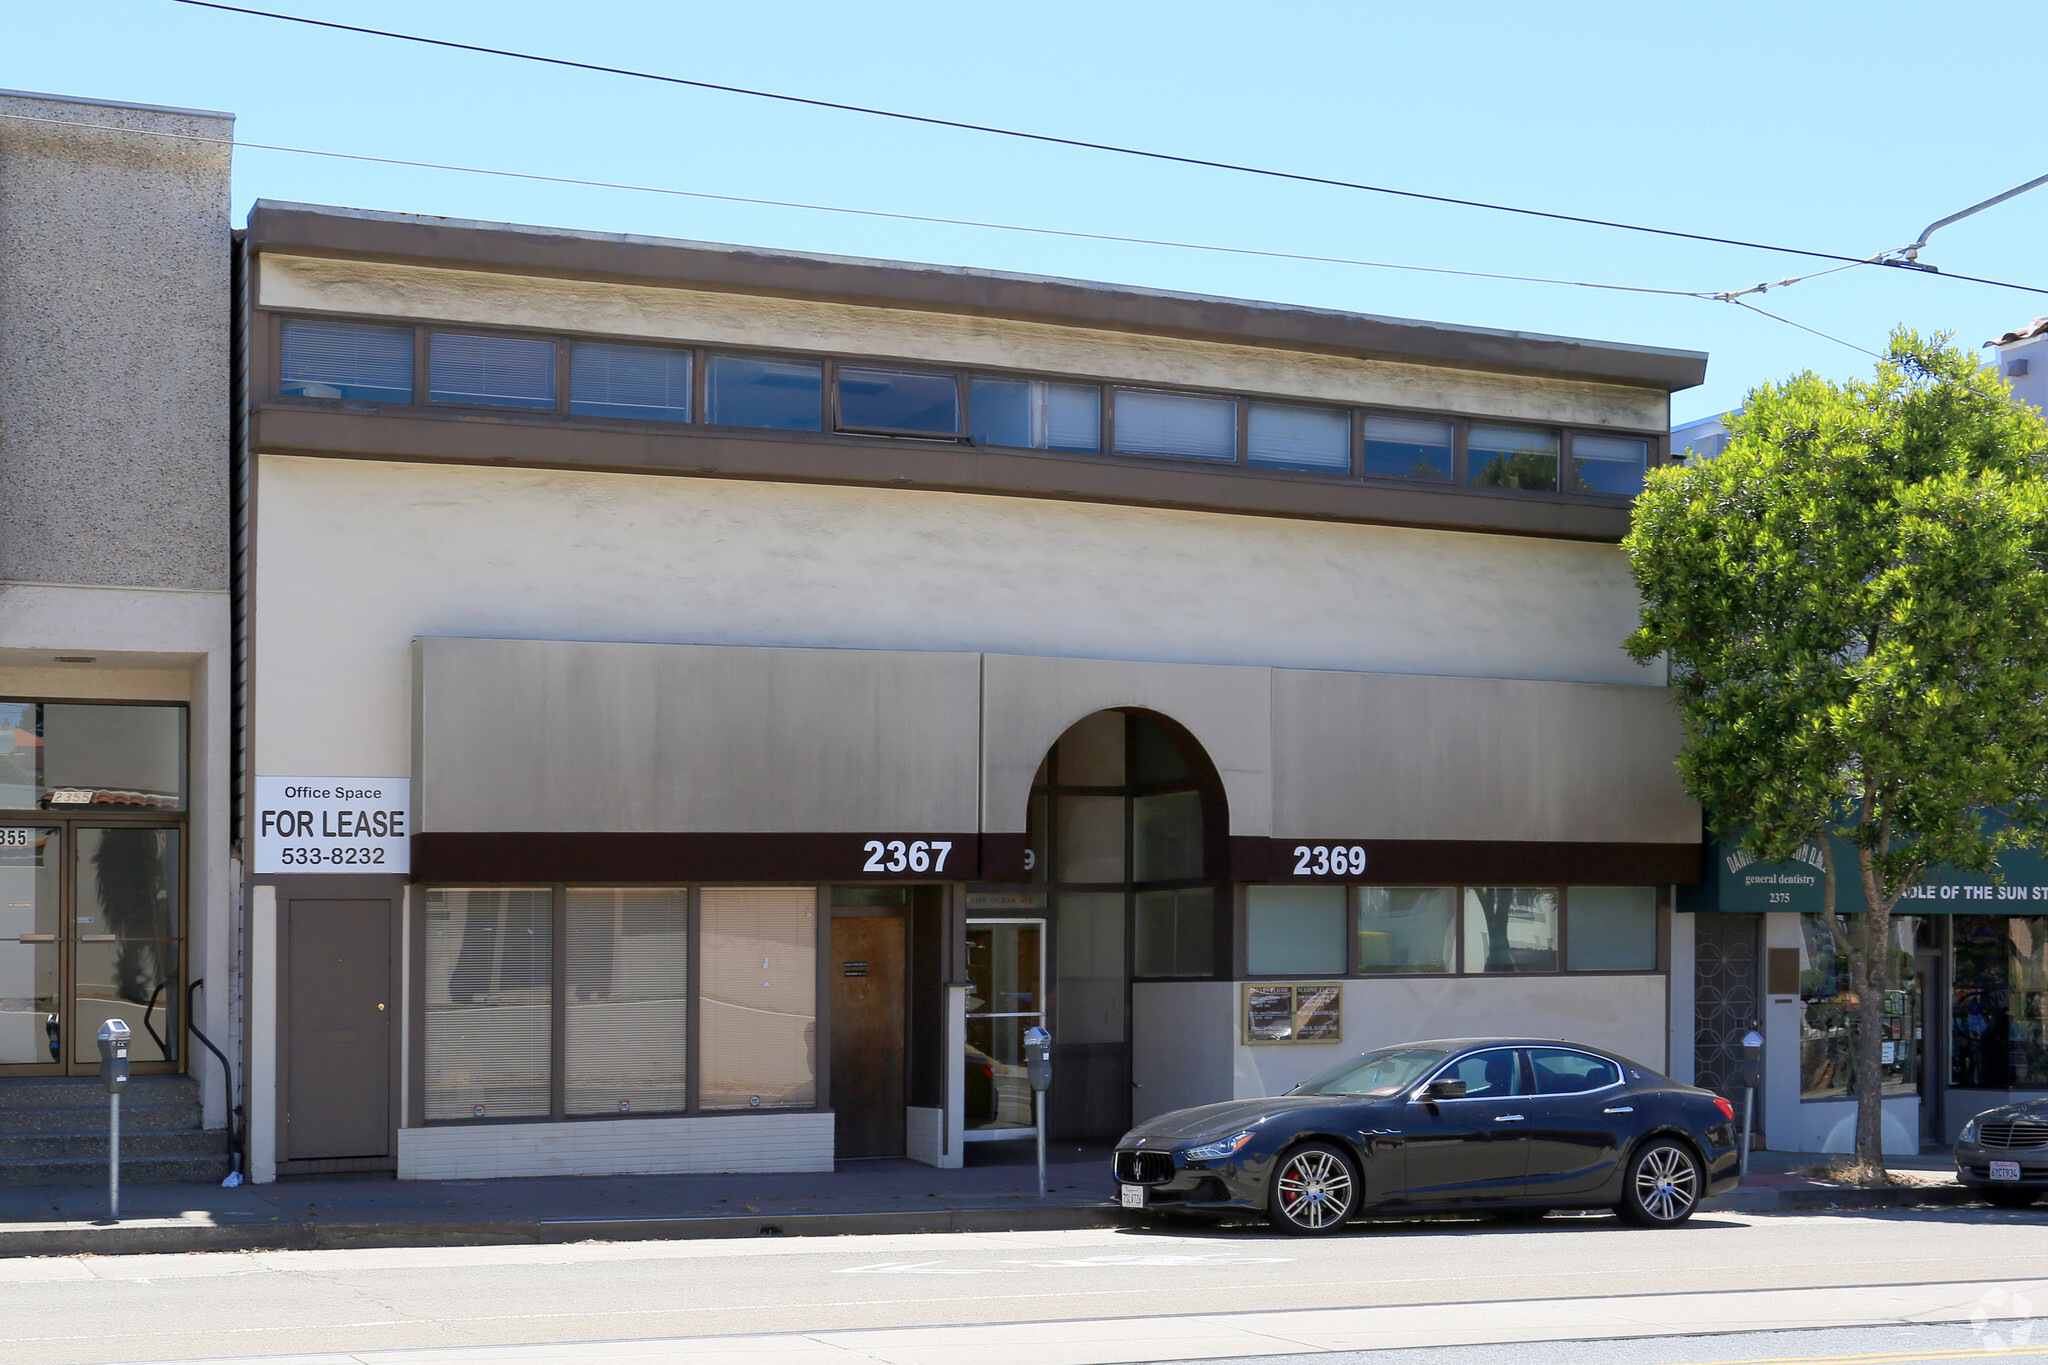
point(1828, 1010)
point(1999, 1028)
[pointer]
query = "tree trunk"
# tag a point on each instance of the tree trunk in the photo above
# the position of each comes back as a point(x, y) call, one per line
point(1870, 992)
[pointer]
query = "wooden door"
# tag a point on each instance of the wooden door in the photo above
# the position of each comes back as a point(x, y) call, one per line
point(338, 1089)
point(867, 1035)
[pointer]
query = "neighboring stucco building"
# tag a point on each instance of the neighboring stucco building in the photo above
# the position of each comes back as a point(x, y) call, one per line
point(115, 676)
point(706, 702)
point(2022, 360)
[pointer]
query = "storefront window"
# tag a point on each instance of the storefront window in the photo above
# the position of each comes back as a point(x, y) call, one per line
point(1612, 929)
point(2000, 1012)
point(31, 862)
point(627, 1013)
point(1294, 931)
point(1510, 929)
point(1828, 1010)
point(760, 998)
point(1407, 928)
point(489, 989)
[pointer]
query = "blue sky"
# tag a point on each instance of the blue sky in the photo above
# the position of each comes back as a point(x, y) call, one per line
point(1842, 128)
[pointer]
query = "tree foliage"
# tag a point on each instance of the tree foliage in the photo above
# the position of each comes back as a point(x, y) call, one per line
point(1853, 598)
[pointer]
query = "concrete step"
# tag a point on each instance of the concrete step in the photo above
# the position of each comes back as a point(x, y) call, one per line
point(38, 1148)
point(149, 1170)
point(86, 1092)
point(152, 1118)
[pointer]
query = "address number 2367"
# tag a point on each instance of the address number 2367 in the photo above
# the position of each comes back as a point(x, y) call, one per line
point(897, 855)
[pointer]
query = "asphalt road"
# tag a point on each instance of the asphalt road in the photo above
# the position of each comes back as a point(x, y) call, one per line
point(1047, 1298)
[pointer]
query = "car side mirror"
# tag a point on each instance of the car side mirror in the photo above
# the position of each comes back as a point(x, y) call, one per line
point(1444, 1090)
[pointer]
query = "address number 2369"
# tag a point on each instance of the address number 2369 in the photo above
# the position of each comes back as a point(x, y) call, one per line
point(897, 855)
point(1328, 860)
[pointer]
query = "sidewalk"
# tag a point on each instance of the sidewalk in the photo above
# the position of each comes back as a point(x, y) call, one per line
point(996, 1194)
point(1773, 1184)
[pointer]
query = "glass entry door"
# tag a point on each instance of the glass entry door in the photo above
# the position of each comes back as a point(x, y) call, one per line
point(1005, 997)
point(31, 947)
point(91, 929)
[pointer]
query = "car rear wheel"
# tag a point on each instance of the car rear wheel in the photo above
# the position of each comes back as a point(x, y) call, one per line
point(1314, 1190)
point(2009, 1199)
point(1663, 1185)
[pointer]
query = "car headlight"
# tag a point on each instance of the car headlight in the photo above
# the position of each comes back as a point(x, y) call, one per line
point(1222, 1147)
point(1969, 1133)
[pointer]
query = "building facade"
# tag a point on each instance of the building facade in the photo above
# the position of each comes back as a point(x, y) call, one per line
point(705, 703)
point(115, 653)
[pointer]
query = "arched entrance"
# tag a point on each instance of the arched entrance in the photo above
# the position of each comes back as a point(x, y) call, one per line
point(1128, 833)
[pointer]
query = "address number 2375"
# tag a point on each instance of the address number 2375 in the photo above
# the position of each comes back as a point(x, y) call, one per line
point(896, 855)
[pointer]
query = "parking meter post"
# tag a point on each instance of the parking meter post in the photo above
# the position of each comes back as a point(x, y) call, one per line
point(1752, 1076)
point(1038, 1066)
point(113, 1041)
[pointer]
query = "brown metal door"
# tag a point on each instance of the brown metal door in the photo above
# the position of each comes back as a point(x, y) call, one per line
point(338, 1093)
point(867, 1035)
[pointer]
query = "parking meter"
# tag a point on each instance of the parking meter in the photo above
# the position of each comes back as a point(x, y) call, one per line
point(1752, 1077)
point(1038, 1068)
point(1038, 1057)
point(113, 1039)
point(114, 1055)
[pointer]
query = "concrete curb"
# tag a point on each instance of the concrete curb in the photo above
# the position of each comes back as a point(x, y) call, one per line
point(169, 1237)
point(1844, 1197)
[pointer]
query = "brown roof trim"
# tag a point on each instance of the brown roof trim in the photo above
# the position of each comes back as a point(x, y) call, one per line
point(312, 230)
point(470, 438)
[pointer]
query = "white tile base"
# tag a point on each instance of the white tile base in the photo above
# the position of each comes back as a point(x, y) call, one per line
point(924, 1132)
point(678, 1146)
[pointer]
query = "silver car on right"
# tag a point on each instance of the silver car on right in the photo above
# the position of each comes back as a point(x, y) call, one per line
point(2002, 1154)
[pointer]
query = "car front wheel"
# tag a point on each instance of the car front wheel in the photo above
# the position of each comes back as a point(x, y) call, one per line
point(1314, 1190)
point(1663, 1185)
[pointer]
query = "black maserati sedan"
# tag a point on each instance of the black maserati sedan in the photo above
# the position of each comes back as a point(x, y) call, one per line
point(1501, 1125)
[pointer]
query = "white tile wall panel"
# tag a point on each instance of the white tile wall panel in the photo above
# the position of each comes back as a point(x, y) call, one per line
point(924, 1136)
point(681, 1146)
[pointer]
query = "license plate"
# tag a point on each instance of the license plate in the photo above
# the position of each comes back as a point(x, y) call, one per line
point(2000, 1170)
point(1134, 1195)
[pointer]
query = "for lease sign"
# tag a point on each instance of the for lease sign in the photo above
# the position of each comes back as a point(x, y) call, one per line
point(333, 824)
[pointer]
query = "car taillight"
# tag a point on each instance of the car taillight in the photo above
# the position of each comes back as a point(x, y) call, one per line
point(1727, 1109)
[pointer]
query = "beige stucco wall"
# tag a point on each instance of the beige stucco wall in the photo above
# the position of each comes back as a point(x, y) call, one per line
point(356, 559)
point(308, 284)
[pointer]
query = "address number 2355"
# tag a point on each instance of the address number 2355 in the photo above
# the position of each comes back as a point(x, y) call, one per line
point(897, 855)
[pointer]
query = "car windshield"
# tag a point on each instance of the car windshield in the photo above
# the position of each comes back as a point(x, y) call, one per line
point(1386, 1072)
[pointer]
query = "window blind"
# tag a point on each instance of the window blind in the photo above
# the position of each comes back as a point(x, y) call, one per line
point(498, 371)
point(1178, 424)
point(651, 382)
point(489, 990)
point(345, 360)
point(1287, 436)
point(626, 1011)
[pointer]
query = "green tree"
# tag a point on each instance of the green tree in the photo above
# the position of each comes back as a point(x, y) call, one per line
point(1853, 599)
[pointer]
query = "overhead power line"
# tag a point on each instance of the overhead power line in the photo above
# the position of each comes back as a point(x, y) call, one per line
point(1047, 138)
point(1734, 297)
point(869, 213)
